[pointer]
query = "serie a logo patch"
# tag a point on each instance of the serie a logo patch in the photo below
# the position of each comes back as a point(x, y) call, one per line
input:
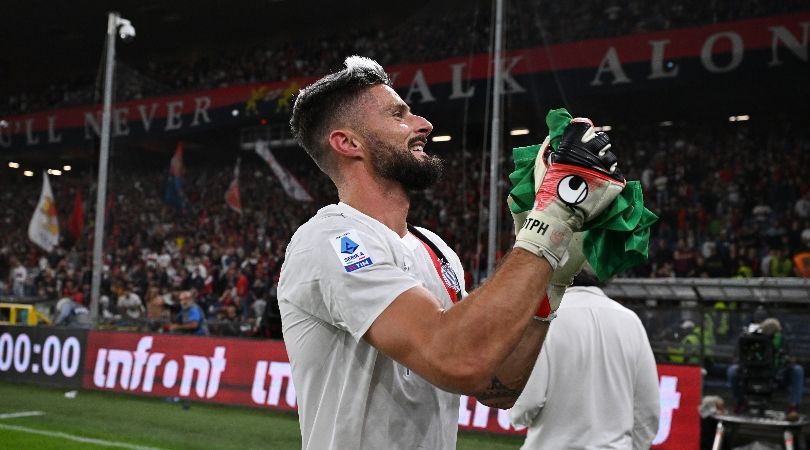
point(350, 250)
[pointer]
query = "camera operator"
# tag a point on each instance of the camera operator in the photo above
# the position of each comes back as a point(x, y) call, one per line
point(786, 371)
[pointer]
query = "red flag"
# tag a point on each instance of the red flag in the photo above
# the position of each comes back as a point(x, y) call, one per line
point(174, 185)
point(232, 197)
point(176, 168)
point(76, 221)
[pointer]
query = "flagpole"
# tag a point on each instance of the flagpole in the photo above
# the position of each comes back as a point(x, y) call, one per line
point(495, 143)
point(114, 20)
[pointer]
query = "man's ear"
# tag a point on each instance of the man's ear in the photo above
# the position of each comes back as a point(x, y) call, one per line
point(346, 143)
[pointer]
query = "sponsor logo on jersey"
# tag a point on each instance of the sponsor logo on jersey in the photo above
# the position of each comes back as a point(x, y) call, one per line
point(350, 250)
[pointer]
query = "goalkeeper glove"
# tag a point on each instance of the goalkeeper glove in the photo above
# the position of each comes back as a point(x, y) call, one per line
point(573, 185)
point(561, 279)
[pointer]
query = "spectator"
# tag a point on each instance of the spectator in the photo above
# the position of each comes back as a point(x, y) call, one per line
point(17, 278)
point(190, 319)
point(45, 285)
point(130, 306)
point(802, 206)
point(157, 313)
point(72, 314)
point(777, 264)
point(685, 259)
point(228, 323)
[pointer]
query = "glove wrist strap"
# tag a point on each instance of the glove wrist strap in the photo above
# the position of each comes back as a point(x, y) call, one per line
point(546, 236)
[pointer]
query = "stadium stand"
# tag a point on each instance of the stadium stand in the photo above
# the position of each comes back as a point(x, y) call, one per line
point(464, 32)
point(733, 197)
point(713, 223)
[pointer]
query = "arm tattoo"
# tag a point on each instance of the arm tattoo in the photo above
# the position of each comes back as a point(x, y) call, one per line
point(498, 395)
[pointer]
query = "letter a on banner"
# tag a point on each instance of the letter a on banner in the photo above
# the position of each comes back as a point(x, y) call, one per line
point(43, 229)
point(290, 184)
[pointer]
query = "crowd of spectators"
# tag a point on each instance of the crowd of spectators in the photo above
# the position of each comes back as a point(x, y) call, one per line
point(733, 201)
point(153, 253)
point(459, 32)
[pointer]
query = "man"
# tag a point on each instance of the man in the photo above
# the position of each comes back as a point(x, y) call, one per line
point(130, 305)
point(190, 319)
point(595, 384)
point(71, 313)
point(17, 277)
point(378, 347)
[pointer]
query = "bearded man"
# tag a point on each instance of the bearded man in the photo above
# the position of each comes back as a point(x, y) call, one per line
point(381, 334)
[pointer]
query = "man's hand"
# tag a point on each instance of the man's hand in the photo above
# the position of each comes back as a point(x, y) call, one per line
point(574, 184)
point(561, 279)
point(564, 275)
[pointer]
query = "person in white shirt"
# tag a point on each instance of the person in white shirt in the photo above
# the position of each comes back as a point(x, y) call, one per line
point(378, 346)
point(130, 305)
point(18, 276)
point(595, 384)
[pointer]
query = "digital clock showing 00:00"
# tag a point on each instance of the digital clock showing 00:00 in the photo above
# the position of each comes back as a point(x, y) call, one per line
point(53, 357)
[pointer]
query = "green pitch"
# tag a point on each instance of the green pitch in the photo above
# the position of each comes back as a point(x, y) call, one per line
point(105, 420)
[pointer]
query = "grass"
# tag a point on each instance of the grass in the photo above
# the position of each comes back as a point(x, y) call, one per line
point(151, 422)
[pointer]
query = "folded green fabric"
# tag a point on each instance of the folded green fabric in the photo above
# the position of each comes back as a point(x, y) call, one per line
point(615, 240)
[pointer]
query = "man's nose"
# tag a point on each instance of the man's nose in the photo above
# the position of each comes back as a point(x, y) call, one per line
point(423, 126)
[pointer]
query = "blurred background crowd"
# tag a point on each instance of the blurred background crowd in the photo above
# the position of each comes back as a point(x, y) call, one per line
point(432, 34)
point(733, 198)
point(714, 222)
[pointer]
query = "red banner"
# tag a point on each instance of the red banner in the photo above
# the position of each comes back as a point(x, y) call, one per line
point(783, 38)
point(681, 390)
point(257, 373)
point(230, 371)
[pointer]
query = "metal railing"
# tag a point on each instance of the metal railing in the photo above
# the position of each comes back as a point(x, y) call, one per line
point(718, 309)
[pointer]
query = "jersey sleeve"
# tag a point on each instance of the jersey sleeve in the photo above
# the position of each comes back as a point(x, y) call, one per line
point(346, 277)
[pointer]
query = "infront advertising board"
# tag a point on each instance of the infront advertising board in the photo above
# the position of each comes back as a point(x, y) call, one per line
point(257, 373)
point(40, 355)
point(681, 389)
point(229, 371)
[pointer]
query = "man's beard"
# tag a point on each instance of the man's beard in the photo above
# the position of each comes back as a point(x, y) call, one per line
point(392, 163)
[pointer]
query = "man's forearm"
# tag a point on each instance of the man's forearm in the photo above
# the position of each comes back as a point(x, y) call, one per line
point(461, 348)
point(496, 319)
point(512, 375)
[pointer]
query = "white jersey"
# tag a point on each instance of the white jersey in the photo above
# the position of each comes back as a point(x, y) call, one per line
point(595, 383)
point(341, 271)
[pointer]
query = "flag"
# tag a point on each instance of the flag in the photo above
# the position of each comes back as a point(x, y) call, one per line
point(290, 184)
point(232, 197)
point(174, 185)
point(76, 221)
point(43, 229)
